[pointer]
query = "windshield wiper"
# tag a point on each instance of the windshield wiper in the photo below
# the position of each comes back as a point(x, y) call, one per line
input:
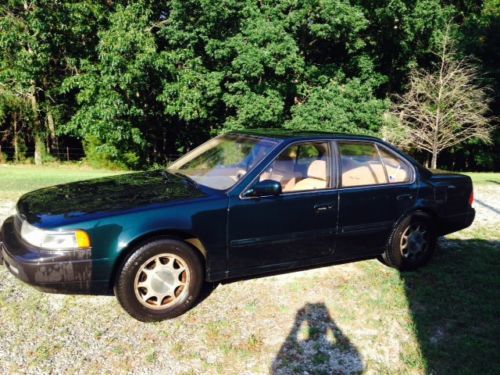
point(187, 178)
point(166, 176)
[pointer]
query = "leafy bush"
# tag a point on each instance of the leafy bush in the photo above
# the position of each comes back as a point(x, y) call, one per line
point(98, 155)
point(48, 158)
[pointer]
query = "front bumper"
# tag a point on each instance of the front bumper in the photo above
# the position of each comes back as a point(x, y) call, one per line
point(50, 271)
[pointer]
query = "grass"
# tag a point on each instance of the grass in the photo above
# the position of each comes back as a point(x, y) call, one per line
point(19, 179)
point(484, 177)
point(358, 317)
point(454, 304)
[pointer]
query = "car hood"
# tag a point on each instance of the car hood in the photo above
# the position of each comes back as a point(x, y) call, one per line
point(102, 196)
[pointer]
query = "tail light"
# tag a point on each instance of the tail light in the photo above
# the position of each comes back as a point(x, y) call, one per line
point(471, 198)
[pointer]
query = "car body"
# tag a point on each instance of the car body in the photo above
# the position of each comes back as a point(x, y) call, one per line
point(335, 203)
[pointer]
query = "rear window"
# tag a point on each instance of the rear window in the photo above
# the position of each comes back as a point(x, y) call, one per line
point(397, 170)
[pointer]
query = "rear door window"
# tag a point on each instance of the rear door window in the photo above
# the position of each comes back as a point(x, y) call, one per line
point(364, 163)
point(360, 164)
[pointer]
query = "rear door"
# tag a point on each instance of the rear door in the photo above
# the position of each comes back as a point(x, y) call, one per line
point(376, 188)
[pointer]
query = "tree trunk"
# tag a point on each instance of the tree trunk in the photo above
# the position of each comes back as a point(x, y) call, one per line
point(39, 149)
point(37, 130)
point(54, 143)
point(15, 142)
point(434, 159)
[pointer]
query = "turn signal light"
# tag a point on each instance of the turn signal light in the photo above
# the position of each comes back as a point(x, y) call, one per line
point(82, 239)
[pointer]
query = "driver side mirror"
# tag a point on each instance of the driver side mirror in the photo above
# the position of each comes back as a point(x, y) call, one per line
point(264, 188)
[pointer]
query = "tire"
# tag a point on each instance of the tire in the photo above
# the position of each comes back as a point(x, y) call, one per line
point(160, 280)
point(411, 244)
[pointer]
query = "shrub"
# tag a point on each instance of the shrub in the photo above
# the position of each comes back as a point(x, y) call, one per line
point(100, 155)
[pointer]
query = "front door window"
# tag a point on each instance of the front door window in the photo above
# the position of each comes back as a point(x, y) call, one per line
point(301, 167)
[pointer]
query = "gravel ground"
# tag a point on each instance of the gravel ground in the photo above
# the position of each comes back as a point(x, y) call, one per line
point(487, 205)
point(280, 324)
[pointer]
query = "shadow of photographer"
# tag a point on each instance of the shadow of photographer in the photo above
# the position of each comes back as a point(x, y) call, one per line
point(316, 345)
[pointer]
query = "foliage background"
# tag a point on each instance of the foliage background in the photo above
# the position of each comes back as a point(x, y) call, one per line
point(135, 82)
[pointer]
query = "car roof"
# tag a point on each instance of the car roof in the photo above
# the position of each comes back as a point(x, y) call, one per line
point(288, 134)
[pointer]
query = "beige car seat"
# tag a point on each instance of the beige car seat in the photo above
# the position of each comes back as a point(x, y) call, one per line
point(358, 174)
point(316, 177)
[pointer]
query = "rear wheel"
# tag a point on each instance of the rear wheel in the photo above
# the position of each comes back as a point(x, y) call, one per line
point(412, 243)
point(160, 280)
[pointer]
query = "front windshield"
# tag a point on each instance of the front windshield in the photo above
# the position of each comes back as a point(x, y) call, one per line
point(222, 161)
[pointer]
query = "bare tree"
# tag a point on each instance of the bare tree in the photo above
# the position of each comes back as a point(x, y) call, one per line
point(442, 108)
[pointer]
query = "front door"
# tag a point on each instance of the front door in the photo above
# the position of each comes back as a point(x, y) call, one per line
point(294, 228)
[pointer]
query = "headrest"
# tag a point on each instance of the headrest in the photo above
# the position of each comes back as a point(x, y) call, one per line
point(317, 169)
point(283, 165)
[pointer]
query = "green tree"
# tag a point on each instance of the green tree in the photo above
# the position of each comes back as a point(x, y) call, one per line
point(41, 43)
point(15, 111)
point(479, 36)
point(117, 93)
point(139, 81)
point(349, 107)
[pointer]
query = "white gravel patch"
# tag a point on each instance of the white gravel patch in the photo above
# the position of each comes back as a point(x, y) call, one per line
point(487, 206)
point(6, 209)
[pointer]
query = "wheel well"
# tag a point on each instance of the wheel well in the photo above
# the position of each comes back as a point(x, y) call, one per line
point(424, 210)
point(429, 212)
point(188, 238)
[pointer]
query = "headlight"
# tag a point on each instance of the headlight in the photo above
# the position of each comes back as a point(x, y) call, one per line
point(54, 240)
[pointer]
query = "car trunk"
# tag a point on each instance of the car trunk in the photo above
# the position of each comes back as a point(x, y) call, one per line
point(453, 189)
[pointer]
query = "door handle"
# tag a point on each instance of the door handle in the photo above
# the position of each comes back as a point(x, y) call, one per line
point(404, 196)
point(322, 208)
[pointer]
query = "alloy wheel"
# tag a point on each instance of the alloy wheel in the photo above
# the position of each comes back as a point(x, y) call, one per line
point(414, 241)
point(161, 281)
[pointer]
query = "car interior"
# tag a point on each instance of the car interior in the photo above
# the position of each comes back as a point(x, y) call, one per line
point(300, 167)
point(304, 166)
point(364, 164)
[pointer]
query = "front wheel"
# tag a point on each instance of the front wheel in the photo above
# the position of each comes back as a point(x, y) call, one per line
point(160, 280)
point(412, 243)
